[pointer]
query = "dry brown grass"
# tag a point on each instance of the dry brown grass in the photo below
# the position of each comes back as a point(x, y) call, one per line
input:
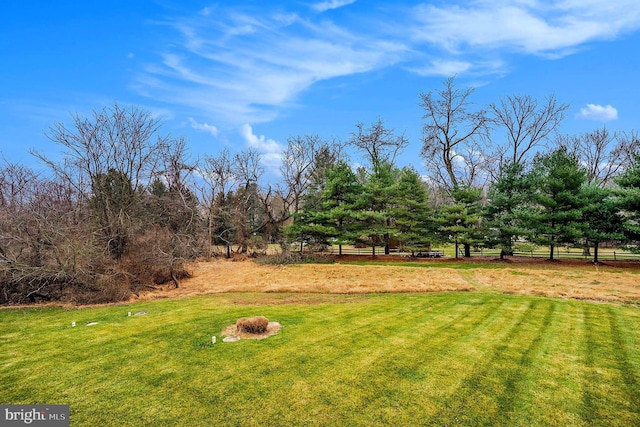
point(587, 282)
point(252, 325)
point(221, 276)
point(579, 281)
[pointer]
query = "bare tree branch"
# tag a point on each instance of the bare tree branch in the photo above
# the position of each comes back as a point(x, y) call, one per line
point(452, 135)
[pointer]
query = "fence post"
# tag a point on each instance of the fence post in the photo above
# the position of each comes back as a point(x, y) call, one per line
point(614, 256)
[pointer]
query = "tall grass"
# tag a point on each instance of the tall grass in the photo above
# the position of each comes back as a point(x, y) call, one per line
point(393, 359)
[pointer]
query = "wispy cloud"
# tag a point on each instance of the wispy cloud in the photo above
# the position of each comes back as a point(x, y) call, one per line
point(241, 65)
point(244, 68)
point(331, 4)
point(523, 26)
point(205, 127)
point(598, 112)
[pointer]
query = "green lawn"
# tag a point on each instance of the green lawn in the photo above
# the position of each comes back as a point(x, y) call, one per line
point(393, 359)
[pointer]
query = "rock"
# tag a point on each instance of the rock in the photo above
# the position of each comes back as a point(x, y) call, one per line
point(91, 323)
point(140, 313)
point(231, 338)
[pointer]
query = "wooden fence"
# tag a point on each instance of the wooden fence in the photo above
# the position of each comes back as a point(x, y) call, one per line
point(559, 253)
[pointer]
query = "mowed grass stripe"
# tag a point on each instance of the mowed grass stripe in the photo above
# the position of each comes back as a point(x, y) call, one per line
point(610, 393)
point(491, 378)
point(629, 372)
point(392, 359)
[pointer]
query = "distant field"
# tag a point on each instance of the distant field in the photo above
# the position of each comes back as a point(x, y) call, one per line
point(368, 359)
point(569, 279)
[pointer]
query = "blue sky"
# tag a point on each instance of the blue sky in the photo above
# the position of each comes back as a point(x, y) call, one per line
point(238, 74)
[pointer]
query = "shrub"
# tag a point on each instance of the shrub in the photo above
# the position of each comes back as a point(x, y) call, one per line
point(252, 325)
point(296, 258)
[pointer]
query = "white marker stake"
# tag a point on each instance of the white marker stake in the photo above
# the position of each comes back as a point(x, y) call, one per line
point(73, 324)
point(213, 339)
point(129, 314)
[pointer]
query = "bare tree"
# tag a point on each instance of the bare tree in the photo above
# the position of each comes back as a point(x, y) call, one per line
point(178, 223)
point(218, 178)
point(45, 239)
point(248, 172)
point(247, 167)
point(379, 143)
point(303, 163)
point(109, 159)
point(603, 154)
point(526, 122)
point(453, 135)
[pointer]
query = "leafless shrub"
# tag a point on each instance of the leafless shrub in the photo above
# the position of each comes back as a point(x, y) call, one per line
point(252, 325)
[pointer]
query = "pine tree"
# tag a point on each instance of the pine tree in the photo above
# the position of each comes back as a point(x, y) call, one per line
point(461, 220)
point(412, 219)
point(629, 199)
point(503, 210)
point(601, 217)
point(557, 199)
point(340, 203)
point(374, 203)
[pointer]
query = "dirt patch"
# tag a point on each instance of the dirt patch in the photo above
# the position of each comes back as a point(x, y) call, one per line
point(232, 331)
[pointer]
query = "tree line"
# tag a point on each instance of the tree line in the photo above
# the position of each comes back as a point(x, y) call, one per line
point(125, 207)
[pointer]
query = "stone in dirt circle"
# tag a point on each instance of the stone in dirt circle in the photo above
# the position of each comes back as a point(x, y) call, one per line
point(231, 338)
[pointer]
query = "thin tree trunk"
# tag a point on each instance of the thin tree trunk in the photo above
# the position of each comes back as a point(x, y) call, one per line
point(210, 232)
point(174, 279)
point(456, 249)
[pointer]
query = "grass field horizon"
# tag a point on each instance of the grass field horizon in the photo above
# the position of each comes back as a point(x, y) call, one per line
point(478, 355)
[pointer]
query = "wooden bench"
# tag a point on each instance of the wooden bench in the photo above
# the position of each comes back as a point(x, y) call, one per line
point(430, 254)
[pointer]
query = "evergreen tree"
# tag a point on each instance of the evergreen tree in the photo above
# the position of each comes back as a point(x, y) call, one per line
point(377, 193)
point(601, 217)
point(557, 199)
point(629, 198)
point(461, 220)
point(340, 199)
point(412, 219)
point(503, 211)
point(329, 215)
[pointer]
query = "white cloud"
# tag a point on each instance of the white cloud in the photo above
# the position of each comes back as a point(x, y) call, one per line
point(203, 127)
point(331, 4)
point(244, 65)
point(241, 68)
point(530, 27)
point(260, 143)
point(270, 150)
point(598, 112)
